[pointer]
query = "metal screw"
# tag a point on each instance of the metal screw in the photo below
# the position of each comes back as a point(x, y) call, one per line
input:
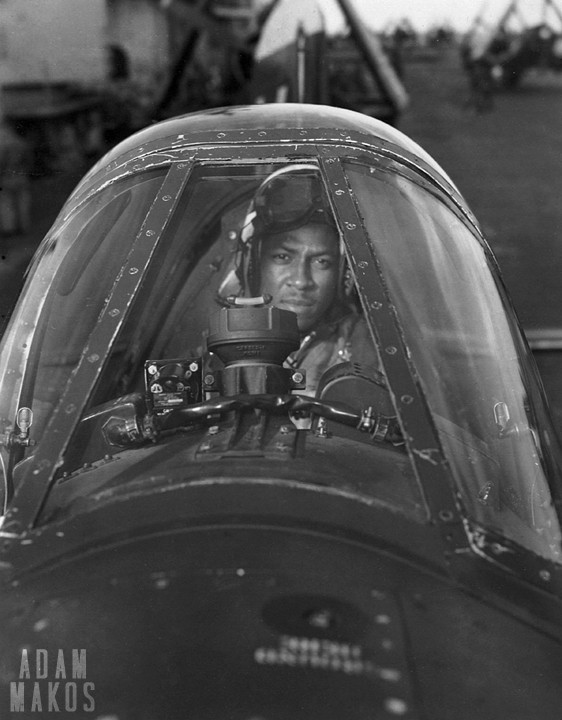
point(396, 706)
point(322, 619)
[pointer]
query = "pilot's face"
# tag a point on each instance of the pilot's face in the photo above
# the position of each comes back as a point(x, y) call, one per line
point(299, 270)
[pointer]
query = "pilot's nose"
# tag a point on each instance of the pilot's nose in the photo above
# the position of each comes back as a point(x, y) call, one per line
point(301, 276)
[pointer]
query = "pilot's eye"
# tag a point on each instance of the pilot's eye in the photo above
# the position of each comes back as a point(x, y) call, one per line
point(280, 256)
point(325, 263)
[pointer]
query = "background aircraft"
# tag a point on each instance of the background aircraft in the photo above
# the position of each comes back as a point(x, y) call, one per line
point(296, 62)
point(521, 39)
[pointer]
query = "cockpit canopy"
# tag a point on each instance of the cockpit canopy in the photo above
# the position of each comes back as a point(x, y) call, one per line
point(171, 226)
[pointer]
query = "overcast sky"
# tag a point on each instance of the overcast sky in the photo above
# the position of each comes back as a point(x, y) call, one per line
point(425, 14)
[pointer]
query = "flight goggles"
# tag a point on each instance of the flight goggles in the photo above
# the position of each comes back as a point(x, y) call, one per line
point(290, 198)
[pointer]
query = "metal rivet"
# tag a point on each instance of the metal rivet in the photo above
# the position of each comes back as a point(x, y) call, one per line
point(396, 706)
point(391, 350)
point(376, 305)
point(445, 515)
point(93, 358)
point(390, 674)
point(181, 166)
point(165, 198)
point(340, 192)
point(221, 135)
point(133, 271)
point(262, 133)
point(322, 618)
point(115, 312)
point(407, 399)
point(352, 226)
point(150, 233)
point(70, 408)
point(362, 264)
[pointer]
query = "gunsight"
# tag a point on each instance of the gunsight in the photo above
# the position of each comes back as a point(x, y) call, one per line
point(253, 339)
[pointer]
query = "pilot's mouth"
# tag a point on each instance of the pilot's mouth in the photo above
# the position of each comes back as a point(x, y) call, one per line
point(298, 302)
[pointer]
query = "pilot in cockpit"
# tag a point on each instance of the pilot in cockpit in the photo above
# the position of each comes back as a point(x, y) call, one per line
point(290, 250)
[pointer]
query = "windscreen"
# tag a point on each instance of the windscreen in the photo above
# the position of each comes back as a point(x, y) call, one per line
point(461, 343)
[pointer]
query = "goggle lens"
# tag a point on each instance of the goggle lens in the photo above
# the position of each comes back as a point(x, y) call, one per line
point(289, 202)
